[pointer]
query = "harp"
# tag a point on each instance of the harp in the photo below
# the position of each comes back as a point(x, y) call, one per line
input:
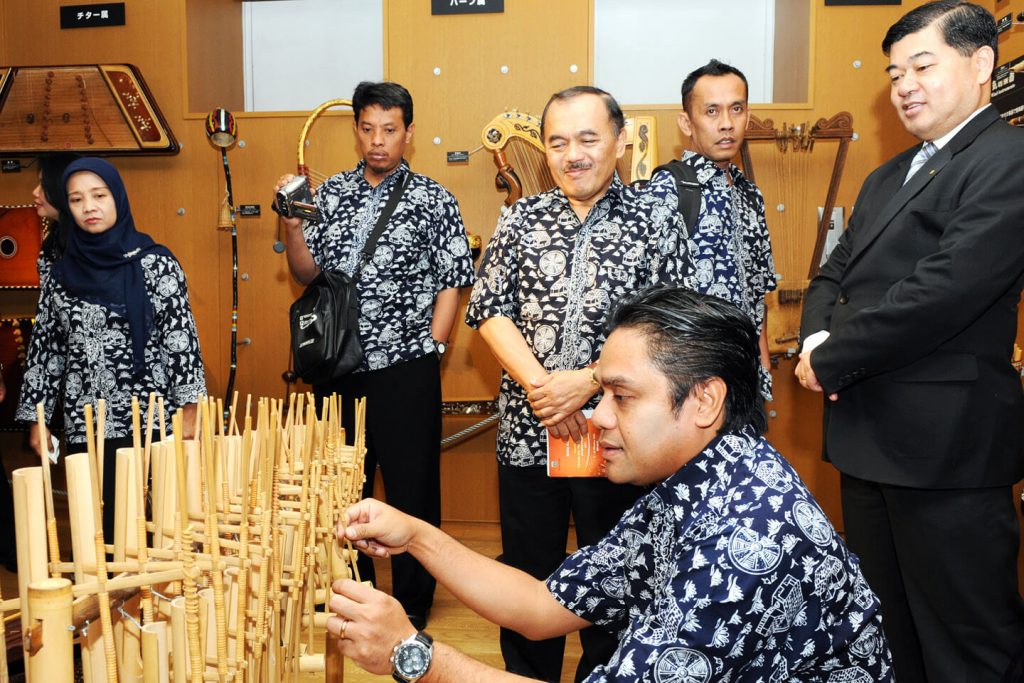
point(794, 183)
point(514, 139)
point(315, 177)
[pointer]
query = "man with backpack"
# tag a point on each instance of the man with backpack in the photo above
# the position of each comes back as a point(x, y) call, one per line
point(728, 250)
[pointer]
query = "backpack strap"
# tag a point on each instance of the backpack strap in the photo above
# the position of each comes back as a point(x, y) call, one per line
point(688, 189)
point(382, 222)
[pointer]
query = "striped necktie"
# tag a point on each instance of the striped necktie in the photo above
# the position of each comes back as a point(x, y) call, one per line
point(923, 155)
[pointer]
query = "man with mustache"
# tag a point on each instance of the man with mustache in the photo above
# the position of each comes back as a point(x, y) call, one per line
point(908, 330)
point(725, 570)
point(729, 251)
point(556, 264)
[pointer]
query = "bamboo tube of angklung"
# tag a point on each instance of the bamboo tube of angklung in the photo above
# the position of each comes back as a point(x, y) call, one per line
point(84, 514)
point(154, 653)
point(50, 601)
point(30, 534)
point(123, 543)
point(179, 642)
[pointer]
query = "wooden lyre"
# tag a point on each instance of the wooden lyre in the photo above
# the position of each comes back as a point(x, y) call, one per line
point(514, 138)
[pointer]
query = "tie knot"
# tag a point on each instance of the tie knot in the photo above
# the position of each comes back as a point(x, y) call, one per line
point(928, 149)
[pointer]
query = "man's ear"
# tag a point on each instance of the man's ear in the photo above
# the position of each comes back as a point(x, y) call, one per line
point(408, 132)
point(684, 123)
point(984, 61)
point(710, 403)
point(620, 143)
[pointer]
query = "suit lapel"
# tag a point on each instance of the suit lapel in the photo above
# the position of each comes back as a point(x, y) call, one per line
point(905, 192)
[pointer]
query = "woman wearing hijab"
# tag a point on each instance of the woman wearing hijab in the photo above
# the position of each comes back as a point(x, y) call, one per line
point(114, 322)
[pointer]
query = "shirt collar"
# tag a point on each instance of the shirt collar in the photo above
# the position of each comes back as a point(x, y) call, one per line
point(702, 472)
point(706, 168)
point(389, 178)
point(944, 140)
point(613, 194)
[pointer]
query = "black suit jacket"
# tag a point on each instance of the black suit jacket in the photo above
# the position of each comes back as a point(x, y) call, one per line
point(920, 298)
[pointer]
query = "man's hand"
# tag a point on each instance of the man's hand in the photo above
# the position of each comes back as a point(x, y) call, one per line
point(573, 427)
point(35, 440)
point(559, 394)
point(3, 389)
point(369, 624)
point(376, 528)
point(289, 223)
point(805, 374)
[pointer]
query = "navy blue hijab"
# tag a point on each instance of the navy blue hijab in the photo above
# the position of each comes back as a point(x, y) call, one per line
point(106, 268)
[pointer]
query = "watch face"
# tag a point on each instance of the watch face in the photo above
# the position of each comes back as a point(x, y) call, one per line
point(412, 659)
point(441, 347)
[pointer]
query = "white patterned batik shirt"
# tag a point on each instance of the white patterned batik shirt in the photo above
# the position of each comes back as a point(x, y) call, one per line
point(558, 279)
point(728, 571)
point(80, 352)
point(422, 251)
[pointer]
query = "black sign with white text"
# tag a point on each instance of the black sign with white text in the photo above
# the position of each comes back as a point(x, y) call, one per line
point(91, 16)
point(467, 6)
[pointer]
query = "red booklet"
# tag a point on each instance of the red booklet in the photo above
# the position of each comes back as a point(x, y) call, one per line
point(567, 458)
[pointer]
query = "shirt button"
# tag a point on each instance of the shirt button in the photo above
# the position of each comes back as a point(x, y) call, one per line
point(843, 299)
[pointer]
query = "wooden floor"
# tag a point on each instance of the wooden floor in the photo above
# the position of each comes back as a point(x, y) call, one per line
point(450, 622)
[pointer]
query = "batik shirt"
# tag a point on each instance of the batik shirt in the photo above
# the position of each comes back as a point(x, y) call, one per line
point(728, 571)
point(729, 250)
point(423, 250)
point(81, 352)
point(557, 279)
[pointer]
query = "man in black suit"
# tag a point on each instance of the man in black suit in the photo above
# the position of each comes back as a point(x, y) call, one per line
point(908, 331)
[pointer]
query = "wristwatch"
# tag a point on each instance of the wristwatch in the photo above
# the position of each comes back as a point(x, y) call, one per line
point(411, 658)
point(440, 347)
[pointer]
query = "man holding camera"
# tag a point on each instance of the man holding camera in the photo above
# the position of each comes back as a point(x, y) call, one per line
point(408, 299)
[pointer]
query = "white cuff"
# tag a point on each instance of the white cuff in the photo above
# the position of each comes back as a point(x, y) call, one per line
point(815, 340)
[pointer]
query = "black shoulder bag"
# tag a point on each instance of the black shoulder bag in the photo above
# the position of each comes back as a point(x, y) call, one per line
point(325, 319)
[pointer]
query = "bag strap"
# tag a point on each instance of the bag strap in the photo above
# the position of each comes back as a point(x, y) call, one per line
point(382, 222)
point(688, 189)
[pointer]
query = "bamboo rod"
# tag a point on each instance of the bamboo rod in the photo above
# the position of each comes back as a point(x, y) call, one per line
point(51, 518)
point(101, 441)
point(106, 625)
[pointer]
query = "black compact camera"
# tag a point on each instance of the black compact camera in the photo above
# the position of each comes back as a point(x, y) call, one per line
point(295, 200)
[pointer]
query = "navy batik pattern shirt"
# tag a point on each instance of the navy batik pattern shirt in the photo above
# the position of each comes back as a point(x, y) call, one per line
point(423, 250)
point(557, 279)
point(728, 571)
point(729, 250)
point(81, 352)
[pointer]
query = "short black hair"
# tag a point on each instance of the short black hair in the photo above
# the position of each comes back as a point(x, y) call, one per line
point(615, 114)
point(965, 27)
point(385, 95)
point(712, 68)
point(51, 172)
point(693, 337)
